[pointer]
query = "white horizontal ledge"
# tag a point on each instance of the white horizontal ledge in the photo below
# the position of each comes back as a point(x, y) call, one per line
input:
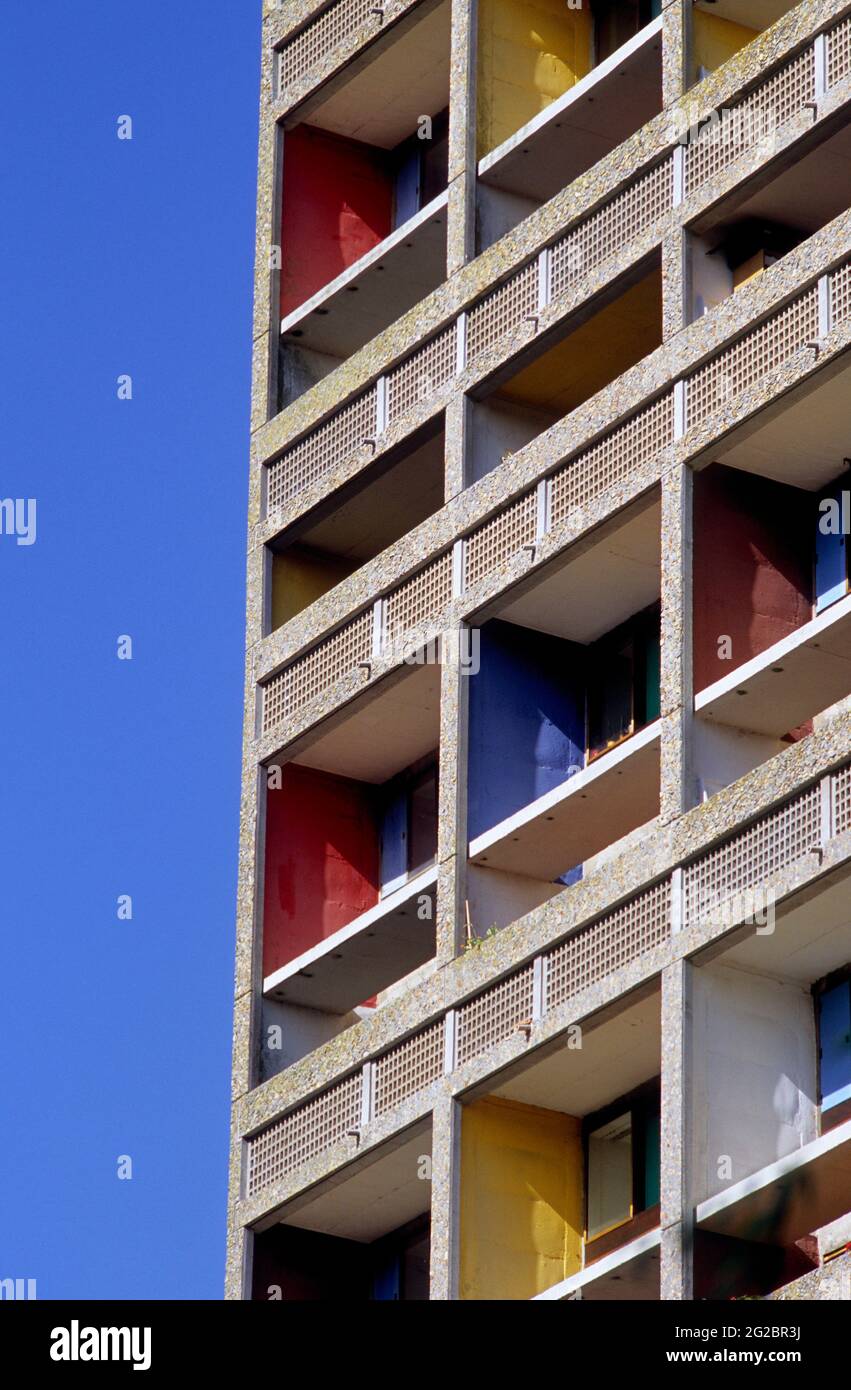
point(586, 813)
point(391, 243)
point(634, 1266)
point(787, 1199)
point(585, 87)
point(373, 951)
point(816, 672)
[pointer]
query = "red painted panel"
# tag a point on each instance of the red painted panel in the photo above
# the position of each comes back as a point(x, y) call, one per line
point(321, 861)
point(752, 567)
point(338, 204)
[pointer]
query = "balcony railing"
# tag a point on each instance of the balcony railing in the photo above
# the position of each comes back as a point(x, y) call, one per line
point(541, 281)
point(306, 49)
point(692, 895)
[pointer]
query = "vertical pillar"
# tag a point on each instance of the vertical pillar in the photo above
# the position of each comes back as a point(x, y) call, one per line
point(675, 283)
point(456, 443)
point(461, 202)
point(677, 1206)
point(263, 403)
point(452, 809)
point(677, 788)
point(445, 1206)
point(676, 45)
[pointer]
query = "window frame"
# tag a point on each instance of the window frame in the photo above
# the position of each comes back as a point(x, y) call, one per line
point(643, 1104)
point(835, 1114)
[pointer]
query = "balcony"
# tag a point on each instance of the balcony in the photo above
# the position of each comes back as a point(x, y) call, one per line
point(376, 509)
point(815, 665)
point(629, 1273)
point(560, 1168)
point(363, 221)
point(363, 300)
point(568, 690)
point(349, 880)
point(721, 28)
point(772, 617)
point(376, 949)
point(562, 370)
point(763, 1225)
point(563, 137)
point(772, 1043)
point(742, 235)
point(364, 1237)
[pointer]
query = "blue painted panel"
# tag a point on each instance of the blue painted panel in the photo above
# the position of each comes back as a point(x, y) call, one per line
point(407, 188)
point(527, 721)
point(394, 837)
point(386, 1283)
point(830, 565)
point(835, 1045)
point(652, 1161)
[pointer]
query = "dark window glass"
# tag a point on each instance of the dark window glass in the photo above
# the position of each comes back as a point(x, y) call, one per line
point(610, 707)
point(617, 21)
point(422, 836)
point(834, 1020)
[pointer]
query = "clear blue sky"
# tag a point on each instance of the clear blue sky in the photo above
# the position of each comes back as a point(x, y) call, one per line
point(122, 777)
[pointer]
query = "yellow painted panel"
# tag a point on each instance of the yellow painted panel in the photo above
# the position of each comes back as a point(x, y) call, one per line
point(300, 576)
point(521, 1199)
point(529, 53)
point(753, 266)
point(595, 353)
point(714, 40)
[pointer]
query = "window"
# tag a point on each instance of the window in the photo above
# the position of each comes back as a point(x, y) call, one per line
point(400, 1264)
point(623, 682)
point(622, 1162)
point(617, 21)
point(421, 167)
point(831, 550)
point(422, 819)
point(408, 824)
point(833, 1020)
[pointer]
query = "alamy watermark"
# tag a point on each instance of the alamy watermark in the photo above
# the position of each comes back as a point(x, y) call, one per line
point(419, 647)
point(18, 519)
point(18, 1290)
point(749, 907)
point(740, 128)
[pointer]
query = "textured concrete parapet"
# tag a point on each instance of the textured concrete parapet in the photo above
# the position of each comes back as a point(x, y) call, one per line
point(829, 1284)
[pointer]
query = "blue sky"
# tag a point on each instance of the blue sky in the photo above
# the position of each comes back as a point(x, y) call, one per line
point(122, 777)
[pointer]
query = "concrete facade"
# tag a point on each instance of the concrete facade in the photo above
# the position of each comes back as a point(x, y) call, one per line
point(643, 1011)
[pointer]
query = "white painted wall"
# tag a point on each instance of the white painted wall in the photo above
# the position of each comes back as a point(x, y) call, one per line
point(711, 280)
point(499, 428)
point(722, 754)
point(416, 977)
point(302, 1031)
point(496, 898)
point(628, 841)
point(753, 1072)
point(498, 212)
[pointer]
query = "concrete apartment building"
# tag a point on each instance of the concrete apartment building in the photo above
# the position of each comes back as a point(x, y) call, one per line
point(543, 981)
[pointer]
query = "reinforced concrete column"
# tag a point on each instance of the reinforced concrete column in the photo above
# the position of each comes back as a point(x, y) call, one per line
point(263, 406)
point(676, 1198)
point(456, 446)
point(677, 784)
point(445, 1205)
point(461, 194)
point(676, 42)
point(452, 805)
